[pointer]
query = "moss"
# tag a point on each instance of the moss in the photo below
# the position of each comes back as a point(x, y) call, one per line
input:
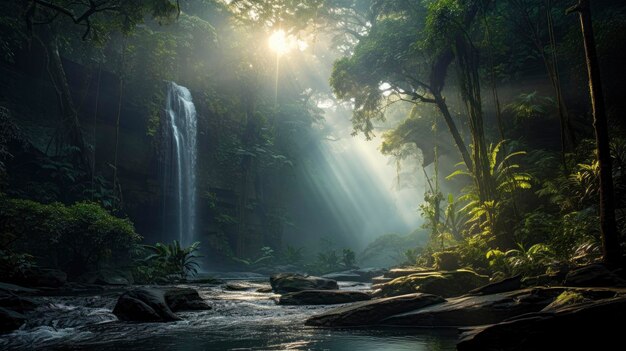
point(443, 283)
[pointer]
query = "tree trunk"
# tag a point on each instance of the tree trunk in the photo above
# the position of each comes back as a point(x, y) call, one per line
point(608, 227)
point(71, 133)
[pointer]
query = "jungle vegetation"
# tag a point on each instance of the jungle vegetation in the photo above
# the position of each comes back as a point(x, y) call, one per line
point(507, 105)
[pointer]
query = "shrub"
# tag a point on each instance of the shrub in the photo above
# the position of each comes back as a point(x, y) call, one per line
point(446, 260)
point(77, 239)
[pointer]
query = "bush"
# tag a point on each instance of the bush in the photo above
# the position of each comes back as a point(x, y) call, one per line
point(76, 239)
point(446, 260)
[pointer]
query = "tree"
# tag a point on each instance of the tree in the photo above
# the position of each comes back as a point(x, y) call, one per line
point(608, 227)
point(52, 22)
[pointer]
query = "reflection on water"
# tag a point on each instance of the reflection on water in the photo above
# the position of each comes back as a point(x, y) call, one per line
point(240, 320)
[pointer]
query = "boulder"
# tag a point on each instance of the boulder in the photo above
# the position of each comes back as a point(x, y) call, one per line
point(445, 283)
point(144, 305)
point(476, 310)
point(290, 282)
point(505, 285)
point(322, 297)
point(593, 326)
point(593, 275)
point(373, 311)
point(41, 277)
point(17, 303)
point(185, 299)
point(10, 320)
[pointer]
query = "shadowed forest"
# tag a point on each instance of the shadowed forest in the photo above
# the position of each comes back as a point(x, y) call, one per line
point(312, 175)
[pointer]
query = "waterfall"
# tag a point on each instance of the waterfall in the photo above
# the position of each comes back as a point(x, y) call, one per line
point(180, 168)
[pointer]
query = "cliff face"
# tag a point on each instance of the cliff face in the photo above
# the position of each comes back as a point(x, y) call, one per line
point(26, 91)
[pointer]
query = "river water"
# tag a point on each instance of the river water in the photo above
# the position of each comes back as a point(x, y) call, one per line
point(239, 320)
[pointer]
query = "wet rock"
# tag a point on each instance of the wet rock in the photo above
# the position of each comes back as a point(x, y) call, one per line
point(266, 290)
point(237, 275)
point(477, 310)
point(17, 303)
point(289, 282)
point(373, 311)
point(404, 271)
point(346, 276)
point(445, 283)
point(185, 299)
point(505, 285)
point(144, 305)
point(111, 279)
point(356, 275)
point(234, 286)
point(593, 275)
point(10, 320)
point(581, 326)
point(41, 278)
point(322, 297)
point(16, 289)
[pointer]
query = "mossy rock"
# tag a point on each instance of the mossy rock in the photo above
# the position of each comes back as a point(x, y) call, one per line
point(444, 283)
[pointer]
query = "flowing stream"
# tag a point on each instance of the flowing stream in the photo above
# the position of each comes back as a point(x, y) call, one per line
point(180, 170)
point(239, 320)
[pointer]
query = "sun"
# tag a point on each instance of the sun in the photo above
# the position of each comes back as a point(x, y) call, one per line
point(278, 42)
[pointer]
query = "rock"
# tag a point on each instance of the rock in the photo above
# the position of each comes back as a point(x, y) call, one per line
point(237, 286)
point(237, 275)
point(41, 277)
point(593, 275)
point(477, 310)
point(106, 278)
point(575, 296)
point(401, 272)
point(12, 288)
point(185, 299)
point(264, 290)
point(505, 285)
point(290, 282)
point(144, 305)
point(322, 297)
point(381, 280)
point(363, 275)
point(446, 284)
point(577, 327)
point(347, 276)
point(373, 311)
point(10, 320)
point(17, 303)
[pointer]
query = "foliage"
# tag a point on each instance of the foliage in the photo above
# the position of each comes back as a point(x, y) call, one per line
point(528, 262)
point(266, 255)
point(292, 255)
point(165, 260)
point(485, 216)
point(77, 238)
point(348, 258)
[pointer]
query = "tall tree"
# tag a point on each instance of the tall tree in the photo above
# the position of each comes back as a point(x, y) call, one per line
point(608, 226)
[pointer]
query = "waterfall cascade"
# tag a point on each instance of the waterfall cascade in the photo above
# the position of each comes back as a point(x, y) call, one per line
point(180, 163)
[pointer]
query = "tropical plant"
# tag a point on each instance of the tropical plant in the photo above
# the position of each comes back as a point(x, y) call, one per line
point(531, 261)
point(172, 259)
point(348, 258)
point(266, 254)
point(292, 255)
point(484, 215)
